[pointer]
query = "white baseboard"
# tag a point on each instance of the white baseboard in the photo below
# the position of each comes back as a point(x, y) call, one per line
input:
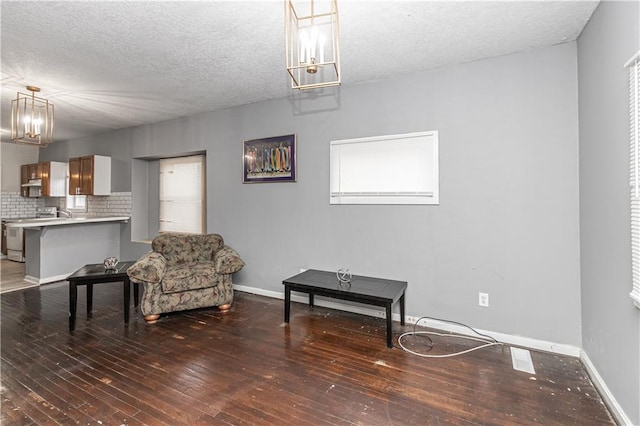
point(524, 342)
point(45, 280)
point(510, 339)
point(32, 280)
point(611, 402)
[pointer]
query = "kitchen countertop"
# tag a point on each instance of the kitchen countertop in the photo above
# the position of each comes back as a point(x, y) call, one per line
point(50, 221)
point(17, 218)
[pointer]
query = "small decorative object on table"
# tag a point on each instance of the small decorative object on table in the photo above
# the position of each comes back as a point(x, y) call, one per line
point(344, 276)
point(110, 263)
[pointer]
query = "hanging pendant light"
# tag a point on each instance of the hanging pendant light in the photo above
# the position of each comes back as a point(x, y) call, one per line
point(31, 119)
point(312, 43)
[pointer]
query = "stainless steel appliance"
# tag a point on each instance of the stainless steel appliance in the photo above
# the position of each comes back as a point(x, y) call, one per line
point(15, 244)
point(15, 236)
point(49, 212)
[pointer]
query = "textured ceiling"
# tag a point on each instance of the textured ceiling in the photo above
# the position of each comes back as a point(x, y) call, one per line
point(109, 65)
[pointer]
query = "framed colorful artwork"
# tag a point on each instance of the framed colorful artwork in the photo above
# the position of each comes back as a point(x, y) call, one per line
point(269, 160)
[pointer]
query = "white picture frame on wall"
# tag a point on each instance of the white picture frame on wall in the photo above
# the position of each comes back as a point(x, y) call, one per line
point(393, 169)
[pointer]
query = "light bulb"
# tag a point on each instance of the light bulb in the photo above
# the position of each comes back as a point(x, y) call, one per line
point(313, 42)
point(36, 126)
point(321, 41)
point(304, 44)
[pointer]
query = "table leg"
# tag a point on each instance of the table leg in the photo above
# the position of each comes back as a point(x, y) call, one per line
point(287, 303)
point(73, 304)
point(402, 309)
point(89, 300)
point(389, 329)
point(311, 300)
point(136, 294)
point(127, 298)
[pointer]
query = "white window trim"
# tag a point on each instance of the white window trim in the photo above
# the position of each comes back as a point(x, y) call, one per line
point(634, 146)
point(393, 169)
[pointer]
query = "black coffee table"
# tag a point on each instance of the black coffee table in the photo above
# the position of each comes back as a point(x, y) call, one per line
point(95, 274)
point(371, 291)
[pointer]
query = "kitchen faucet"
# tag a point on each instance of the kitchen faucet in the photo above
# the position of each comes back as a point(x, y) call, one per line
point(66, 213)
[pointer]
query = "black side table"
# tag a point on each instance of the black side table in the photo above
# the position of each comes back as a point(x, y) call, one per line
point(96, 274)
point(368, 290)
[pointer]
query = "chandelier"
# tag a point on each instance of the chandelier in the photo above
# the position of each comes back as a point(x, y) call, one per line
point(312, 43)
point(31, 119)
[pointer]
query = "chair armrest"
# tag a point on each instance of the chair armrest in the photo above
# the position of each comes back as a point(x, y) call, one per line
point(149, 268)
point(227, 261)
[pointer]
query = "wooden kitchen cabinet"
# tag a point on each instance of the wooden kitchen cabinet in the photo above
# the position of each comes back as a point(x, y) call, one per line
point(90, 175)
point(35, 171)
point(46, 169)
point(52, 175)
point(24, 178)
point(74, 176)
point(87, 176)
point(28, 172)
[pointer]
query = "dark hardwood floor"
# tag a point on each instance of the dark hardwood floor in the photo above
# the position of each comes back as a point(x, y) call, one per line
point(246, 367)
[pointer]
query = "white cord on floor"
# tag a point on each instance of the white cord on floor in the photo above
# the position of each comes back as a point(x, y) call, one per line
point(491, 342)
point(486, 345)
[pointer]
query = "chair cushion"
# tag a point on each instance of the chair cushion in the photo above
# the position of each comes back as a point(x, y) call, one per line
point(186, 248)
point(189, 276)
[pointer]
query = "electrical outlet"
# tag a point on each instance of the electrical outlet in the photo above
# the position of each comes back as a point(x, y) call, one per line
point(483, 299)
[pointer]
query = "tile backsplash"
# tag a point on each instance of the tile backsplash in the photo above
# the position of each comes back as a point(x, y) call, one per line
point(116, 204)
point(13, 206)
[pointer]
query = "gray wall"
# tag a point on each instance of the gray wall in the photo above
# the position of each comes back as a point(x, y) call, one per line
point(610, 322)
point(508, 220)
point(12, 156)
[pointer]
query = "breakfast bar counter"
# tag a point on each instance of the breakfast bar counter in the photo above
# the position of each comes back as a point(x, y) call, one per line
point(58, 221)
point(56, 247)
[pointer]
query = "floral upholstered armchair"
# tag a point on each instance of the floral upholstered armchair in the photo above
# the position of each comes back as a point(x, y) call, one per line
point(185, 271)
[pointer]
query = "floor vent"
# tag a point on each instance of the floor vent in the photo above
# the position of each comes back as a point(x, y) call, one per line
point(521, 360)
